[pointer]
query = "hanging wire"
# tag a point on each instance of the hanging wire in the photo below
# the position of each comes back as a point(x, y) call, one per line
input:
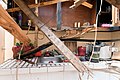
point(29, 25)
point(53, 17)
point(95, 31)
point(42, 36)
point(48, 21)
point(28, 30)
point(17, 67)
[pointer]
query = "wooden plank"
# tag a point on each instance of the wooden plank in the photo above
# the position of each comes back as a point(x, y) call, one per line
point(36, 28)
point(37, 5)
point(115, 16)
point(81, 2)
point(11, 26)
point(87, 4)
point(115, 3)
point(77, 3)
point(51, 36)
point(33, 51)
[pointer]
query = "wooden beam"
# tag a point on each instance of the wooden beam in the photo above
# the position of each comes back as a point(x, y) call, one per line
point(59, 16)
point(115, 3)
point(51, 36)
point(115, 14)
point(5, 1)
point(33, 51)
point(77, 3)
point(36, 28)
point(87, 4)
point(37, 5)
point(11, 26)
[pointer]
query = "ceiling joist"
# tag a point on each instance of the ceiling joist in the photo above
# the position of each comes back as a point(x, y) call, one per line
point(77, 3)
point(87, 4)
point(37, 5)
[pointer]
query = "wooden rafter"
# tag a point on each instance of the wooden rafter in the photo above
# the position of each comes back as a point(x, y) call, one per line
point(37, 5)
point(87, 4)
point(77, 3)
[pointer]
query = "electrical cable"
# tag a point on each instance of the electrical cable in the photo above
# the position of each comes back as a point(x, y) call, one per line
point(96, 30)
point(42, 36)
point(28, 30)
point(47, 21)
point(46, 24)
point(17, 67)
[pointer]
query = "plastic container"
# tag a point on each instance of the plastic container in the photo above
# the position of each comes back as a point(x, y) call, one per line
point(81, 51)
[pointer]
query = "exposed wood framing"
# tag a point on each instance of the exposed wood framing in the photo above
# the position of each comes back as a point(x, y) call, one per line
point(37, 5)
point(11, 26)
point(36, 28)
point(51, 36)
point(115, 15)
point(114, 2)
point(59, 16)
point(77, 3)
point(115, 11)
point(33, 51)
point(87, 4)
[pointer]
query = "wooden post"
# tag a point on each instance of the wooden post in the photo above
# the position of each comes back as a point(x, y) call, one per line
point(114, 15)
point(11, 26)
point(58, 15)
point(51, 36)
point(36, 28)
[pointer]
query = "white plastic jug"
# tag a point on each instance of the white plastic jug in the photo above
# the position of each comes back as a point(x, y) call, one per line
point(105, 52)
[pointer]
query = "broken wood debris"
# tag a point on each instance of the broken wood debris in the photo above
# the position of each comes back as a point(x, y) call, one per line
point(51, 36)
point(33, 51)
